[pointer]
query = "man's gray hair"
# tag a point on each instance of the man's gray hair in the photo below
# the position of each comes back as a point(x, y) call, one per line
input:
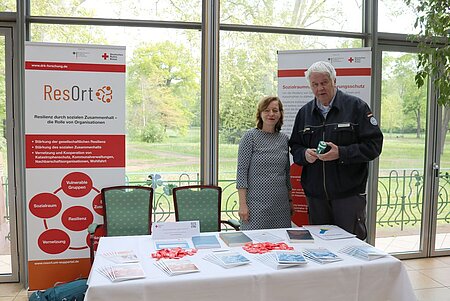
point(321, 67)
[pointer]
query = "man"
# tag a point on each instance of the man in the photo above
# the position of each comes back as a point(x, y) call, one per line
point(335, 180)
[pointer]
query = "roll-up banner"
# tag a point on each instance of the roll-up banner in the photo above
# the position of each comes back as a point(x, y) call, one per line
point(353, 76)
point(74, 146)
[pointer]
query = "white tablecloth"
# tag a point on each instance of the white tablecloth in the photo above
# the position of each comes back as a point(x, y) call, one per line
point(351, 279)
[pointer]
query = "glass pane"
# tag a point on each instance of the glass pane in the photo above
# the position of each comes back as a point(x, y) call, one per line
point(162, 101)
point(338, 15)
point(175, 10)
point(401, 173)
point(5, 237)
point(396, 17)
point(443, 202)
point(248, 71)
point(8, 6)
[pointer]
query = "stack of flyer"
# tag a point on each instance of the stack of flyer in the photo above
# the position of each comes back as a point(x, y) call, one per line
point(282, 259)
point(127, 266)
point(121, 272)
point(173, 267)
point(227, 259)
point(366, 252)
point(121, 256)
point(329, 232)
point(170, 244)
point(265, 237)
point(206, 242)
point(321, 255)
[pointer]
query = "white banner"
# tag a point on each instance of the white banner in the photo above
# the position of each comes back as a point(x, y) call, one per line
point(75, 145)
point(353, 76)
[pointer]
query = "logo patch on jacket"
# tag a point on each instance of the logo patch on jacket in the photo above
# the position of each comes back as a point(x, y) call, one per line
point(373, 121)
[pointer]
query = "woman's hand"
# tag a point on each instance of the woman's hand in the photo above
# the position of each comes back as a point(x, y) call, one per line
point(243, 212)
point(292, 208)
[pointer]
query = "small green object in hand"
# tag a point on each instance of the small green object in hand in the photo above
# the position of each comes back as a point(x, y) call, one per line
point(321, 147)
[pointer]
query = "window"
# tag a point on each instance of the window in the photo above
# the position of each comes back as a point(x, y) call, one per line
point(162, 99)
point(175, 10)
point(337, 15)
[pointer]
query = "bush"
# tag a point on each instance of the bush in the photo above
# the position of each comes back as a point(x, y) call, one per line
point(153, 133)
point(232, 136)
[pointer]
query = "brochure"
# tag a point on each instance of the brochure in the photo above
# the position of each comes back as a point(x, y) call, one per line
point(282, 259)
point(285, 257)
point(299, 235)
point(266, 237)
point(169, 244)
point(321, 255)
point(121, 256)
point(234, 239)
point(366, 252)
point(122, 272)
point(329, 232)
point(227, 259)
point(173, 267)
point(206, 242)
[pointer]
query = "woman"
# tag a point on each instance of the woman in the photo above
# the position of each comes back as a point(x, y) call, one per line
point(263, 179)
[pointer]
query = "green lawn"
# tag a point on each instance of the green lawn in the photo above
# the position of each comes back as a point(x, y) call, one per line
point(182, 154)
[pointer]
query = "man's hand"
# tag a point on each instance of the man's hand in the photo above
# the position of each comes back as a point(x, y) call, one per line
point(331, 155)
point(311, 155)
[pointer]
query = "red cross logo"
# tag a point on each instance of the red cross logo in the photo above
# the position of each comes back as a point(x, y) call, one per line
point(105, 56)
point(350, 60)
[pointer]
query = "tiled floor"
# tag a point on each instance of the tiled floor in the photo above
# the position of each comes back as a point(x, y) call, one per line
point(430, 278)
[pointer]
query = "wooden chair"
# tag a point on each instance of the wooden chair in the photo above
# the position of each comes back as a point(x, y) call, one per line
point(127, 211)
point(202, 203)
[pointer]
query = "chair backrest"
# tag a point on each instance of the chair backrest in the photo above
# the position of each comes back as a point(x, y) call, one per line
point(128, 210)
point(199, 202)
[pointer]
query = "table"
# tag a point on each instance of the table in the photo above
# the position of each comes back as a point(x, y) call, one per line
point(383, 279)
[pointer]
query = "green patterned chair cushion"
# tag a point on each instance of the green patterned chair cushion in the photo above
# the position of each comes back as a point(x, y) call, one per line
point(128, 211)
point(199, 204)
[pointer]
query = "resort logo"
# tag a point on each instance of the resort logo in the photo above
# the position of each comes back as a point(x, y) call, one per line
point(77, 93)
point(104, 94)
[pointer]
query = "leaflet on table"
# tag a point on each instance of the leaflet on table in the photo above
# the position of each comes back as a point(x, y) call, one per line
point(321, 255)
point(227, 259)
point(366, 252)
point(122, 272)
point(171, 243)
point(299, 235)
point(265, 237)
point(121, 256)
point(282, 259)
point(174, 267)
point(328, 232)
point(175, 230)
point(206, 242)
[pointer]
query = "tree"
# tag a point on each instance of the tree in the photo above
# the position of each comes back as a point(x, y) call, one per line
point(162, 91)
point(248, 61)
point(64, 33)
point(433, 22)
point(414, 100)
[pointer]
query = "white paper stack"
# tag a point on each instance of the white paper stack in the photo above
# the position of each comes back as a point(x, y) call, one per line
point(121, 272)
point(329, 232)
point(227, 259)
point(282, 259)
point(265, 237)
point(173, 267)
point(121, 256)
point(321, 255)
point(365, 252)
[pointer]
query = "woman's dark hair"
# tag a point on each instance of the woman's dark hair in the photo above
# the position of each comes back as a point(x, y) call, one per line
point(262, 105)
